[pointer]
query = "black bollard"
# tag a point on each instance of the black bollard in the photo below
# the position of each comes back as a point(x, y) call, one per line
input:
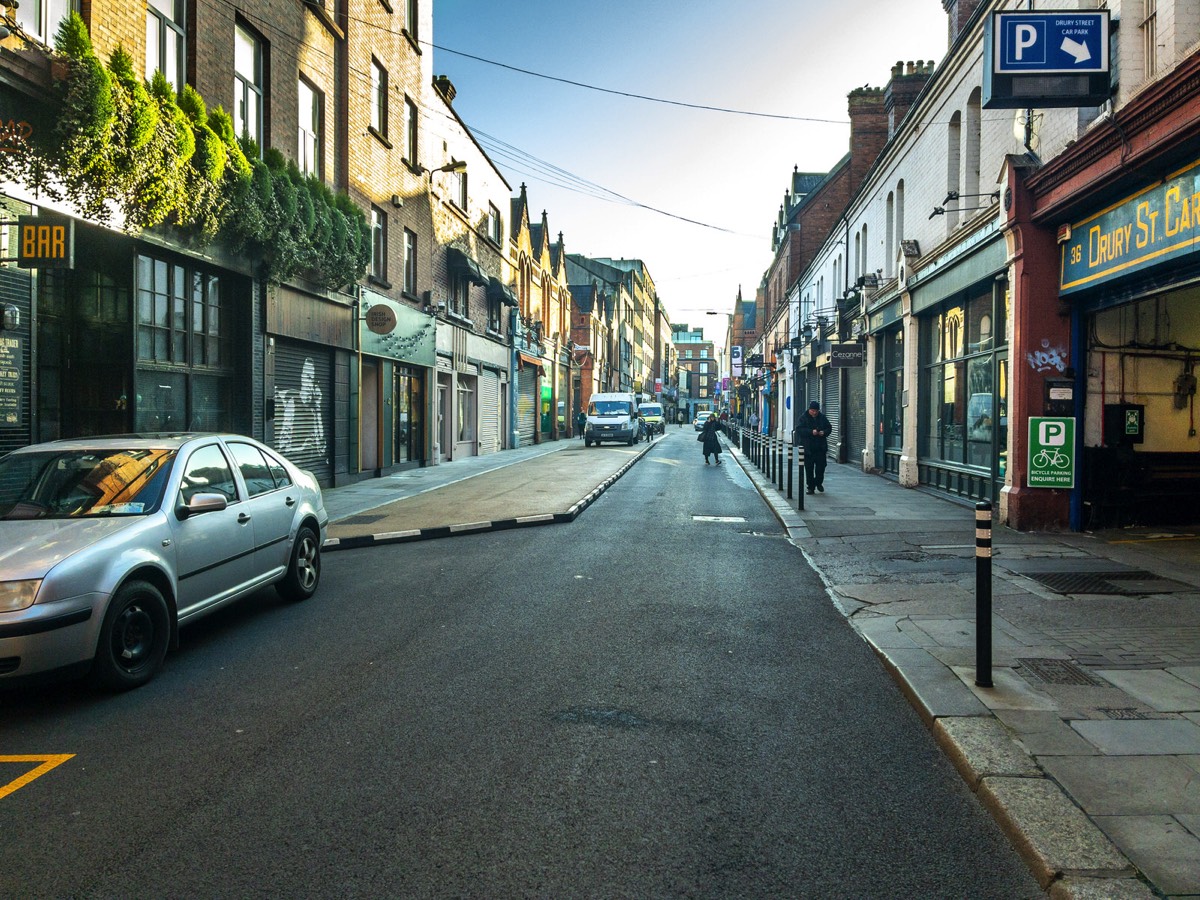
point(983, 594)
point(779, 464)
point(789, 474)
point(800, 476)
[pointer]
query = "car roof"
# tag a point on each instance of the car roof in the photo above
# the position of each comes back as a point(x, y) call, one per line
point(167, 440)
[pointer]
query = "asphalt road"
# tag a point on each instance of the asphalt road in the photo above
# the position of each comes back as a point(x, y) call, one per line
point(638, 704)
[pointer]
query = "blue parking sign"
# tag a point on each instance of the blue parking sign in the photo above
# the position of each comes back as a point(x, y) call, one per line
point(1048, 43)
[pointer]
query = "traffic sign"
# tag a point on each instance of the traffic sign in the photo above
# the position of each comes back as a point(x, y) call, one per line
point(1050, 42)
point(1051, 453)
point(1046, 59)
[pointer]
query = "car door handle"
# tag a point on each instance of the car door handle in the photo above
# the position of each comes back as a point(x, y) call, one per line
point(243, 518)
point(290, 501)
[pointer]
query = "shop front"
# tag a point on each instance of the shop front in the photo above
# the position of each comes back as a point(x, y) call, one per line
point(397, 353)
point(886, 327)
point(961, 309)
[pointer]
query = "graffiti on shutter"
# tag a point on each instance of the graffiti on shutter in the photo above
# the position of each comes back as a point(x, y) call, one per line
point(303, 429)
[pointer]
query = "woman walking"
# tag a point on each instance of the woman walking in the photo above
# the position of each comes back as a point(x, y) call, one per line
point(708, 436)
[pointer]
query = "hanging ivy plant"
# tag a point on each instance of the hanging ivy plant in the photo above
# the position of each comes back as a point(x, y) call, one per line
point(158, 159)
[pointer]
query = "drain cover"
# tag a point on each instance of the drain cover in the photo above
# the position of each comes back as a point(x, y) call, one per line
point(1056, 671)
point(1124, 713)
point(1129, 583)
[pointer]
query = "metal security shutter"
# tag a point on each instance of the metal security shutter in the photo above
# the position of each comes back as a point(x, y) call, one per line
point(856, 414)
point(526, 405)
point(831, 406)
point(489, 412)
point(303, 430)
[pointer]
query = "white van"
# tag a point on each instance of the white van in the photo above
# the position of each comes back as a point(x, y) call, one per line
point(611, 417)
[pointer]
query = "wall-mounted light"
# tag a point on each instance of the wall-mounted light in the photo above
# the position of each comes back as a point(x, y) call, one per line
point(10, 317)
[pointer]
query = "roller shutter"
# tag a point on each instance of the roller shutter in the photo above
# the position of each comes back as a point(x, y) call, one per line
point(303, 425)
point(489, 412)
point(831, 405)
point(526, 404)
point(856, 414)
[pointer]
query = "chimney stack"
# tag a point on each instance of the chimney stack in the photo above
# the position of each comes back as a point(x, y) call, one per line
point(868, 132)
point(908, 80)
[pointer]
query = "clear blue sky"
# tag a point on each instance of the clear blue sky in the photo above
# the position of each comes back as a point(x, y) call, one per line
point(786, 57)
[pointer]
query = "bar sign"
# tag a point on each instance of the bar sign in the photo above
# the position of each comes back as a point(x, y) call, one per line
point(45, 242)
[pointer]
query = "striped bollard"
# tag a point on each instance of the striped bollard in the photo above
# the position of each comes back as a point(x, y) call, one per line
point(790, 450)
point(800, 476)
point(983, 594)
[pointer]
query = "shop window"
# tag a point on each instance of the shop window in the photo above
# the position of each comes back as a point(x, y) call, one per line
point(466, 411)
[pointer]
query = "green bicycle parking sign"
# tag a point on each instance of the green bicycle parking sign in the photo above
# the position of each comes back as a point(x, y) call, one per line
point(1051, 453)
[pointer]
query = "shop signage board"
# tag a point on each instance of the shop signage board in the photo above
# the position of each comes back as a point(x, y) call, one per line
point(1058, 58)
point(45, 242)
point(1158, 223)
point(847, 356)
point(10, 380)
point(1051, 461)
point(396, 330)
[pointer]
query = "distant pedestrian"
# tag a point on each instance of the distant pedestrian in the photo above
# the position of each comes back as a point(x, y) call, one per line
point(812, 431)
point(681, 417)
point(708, 436)
point(754, 422)
point(581, 422)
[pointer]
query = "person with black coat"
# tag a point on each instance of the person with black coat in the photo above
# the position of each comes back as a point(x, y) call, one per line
point(708, 435)
point(812, 432)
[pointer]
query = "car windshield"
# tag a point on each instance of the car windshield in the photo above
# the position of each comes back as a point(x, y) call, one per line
point(651, 410)
point(609, 408)
point(70, 484)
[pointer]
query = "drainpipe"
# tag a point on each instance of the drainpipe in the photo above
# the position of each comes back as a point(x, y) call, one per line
point(514, 433)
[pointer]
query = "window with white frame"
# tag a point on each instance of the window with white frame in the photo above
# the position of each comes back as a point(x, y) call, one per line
point(310, 132)
point(164, 40)
point(458, 189)
point(247, 84)
point(378, 244)
point(41, 18)
point(410, 262)
point(379, 98)
point(1149, 29)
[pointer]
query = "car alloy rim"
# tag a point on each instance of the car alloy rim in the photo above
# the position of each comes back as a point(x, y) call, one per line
point(306, 563)
point(133, 637)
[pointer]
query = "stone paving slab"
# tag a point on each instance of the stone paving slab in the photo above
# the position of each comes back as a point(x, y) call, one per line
point(979, 747)
point(1162, 847)
point(1042, 733)
point(1158, 689)
point(1074, 888)
point(1164, 737)
point(1127, 785)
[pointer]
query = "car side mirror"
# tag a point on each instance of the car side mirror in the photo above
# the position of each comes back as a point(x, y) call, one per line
point(201, 503)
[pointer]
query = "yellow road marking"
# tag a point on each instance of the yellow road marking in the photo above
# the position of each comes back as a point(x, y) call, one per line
point(47, 763)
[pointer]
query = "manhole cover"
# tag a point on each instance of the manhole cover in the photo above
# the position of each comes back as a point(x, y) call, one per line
point(1056, 671)
point(359, 520)
point(1128, 583)
point(1124, 713)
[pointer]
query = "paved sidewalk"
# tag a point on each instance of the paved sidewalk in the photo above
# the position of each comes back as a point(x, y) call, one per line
point(1087, 748)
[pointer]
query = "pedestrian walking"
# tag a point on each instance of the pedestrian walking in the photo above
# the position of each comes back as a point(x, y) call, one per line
point(754, 422)
point(708, 437)
point(581, 422)
point(812, 431)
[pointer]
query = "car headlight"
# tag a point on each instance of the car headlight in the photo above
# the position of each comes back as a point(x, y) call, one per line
point(15, 595)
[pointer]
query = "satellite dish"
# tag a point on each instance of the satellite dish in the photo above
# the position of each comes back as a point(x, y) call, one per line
point(1019, 131)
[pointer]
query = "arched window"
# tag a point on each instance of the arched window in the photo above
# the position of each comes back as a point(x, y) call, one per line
point(971, 152)
point(889, 245)
point(953, 167)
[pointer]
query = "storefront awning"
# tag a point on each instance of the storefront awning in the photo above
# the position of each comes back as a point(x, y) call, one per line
point(501, 291)
point(460, 262)
point(531, 360)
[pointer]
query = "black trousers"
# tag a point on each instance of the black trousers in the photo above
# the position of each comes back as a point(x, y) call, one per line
point(814, 468)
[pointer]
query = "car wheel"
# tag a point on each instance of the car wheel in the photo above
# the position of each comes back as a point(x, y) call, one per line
point(133, 637)
point(587, 442)
point(304, 570)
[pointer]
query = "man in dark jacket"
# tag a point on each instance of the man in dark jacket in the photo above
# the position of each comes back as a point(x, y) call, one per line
point(812, 431)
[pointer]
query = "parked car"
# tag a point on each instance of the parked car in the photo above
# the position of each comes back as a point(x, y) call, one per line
point(701, 418)
point(653, 414)
point(108, 545)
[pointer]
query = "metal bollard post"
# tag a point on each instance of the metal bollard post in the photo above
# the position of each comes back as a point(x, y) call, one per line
point(779, 465)
point(983, 594)
point(791, 449)
point(800, 476)
point(771, 458)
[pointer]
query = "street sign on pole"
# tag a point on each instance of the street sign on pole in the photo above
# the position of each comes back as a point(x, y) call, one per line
point(1051, 453)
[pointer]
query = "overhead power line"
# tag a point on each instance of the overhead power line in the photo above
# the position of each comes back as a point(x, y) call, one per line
point(604, 90)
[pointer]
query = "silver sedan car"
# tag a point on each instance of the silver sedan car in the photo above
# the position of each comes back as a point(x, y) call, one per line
point(108, 545)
